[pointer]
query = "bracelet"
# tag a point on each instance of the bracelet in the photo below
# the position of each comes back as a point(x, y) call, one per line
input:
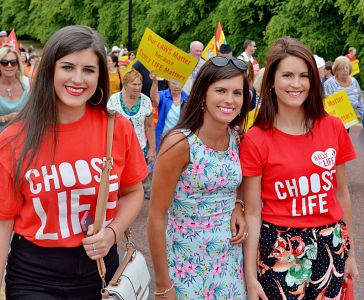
point(241, 202)
point(3, 120)
point(112, 229)
point(164, 293)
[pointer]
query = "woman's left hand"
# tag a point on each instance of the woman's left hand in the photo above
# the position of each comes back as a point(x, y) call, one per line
point(239, 228)
point(151, 155)
point(351, 268)
point(98, 245)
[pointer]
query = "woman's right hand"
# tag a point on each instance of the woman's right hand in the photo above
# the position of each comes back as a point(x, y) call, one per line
point(152, 75)
point(255, 291)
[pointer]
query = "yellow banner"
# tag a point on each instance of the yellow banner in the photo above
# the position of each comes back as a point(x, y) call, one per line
point(339, 105)
point(210, 49)
point(355, 64)
point(165, 59)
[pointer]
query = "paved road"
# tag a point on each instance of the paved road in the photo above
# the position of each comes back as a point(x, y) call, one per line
point(355, 171)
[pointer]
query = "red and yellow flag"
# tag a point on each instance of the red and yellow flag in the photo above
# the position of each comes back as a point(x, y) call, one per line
point(219, 37)
point(11, 39)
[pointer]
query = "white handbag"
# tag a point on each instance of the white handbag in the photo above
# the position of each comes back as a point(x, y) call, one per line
point(131, 279)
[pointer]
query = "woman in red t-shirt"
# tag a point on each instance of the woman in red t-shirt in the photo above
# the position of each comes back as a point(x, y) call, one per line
point(51, 162)
point(298, 205)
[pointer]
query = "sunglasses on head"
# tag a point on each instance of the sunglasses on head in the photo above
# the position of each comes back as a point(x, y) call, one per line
point(222, 61)
point(12, 62)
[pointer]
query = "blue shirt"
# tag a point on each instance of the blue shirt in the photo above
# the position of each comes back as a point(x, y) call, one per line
point(164, 106)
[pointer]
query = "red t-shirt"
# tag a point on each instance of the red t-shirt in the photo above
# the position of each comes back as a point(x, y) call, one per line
point(61, 186)
point(298, 172)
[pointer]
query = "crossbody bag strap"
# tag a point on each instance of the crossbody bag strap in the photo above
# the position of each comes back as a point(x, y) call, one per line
point(103, 194)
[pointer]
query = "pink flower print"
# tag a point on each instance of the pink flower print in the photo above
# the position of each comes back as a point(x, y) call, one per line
point(197, 167)
point(208, 294)
point(223, 258)
point(191, 223)
point(190, 268)
point(222, 181)
point(234, 156)
point(186, 188)
point(207, 225)
point(216, 269)
point(181, 228)
point(180, 272)
point(240, 273)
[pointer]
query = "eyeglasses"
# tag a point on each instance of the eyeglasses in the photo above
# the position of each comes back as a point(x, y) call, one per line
point(12, 62)
point(222, 61)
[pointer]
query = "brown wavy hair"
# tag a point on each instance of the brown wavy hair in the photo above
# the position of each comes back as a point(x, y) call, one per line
point(313, 106)
point(40, 115)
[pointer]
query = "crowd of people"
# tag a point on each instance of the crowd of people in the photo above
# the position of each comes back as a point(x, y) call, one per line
point(235, 212)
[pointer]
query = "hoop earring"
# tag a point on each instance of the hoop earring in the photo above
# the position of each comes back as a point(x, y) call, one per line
point(271, 91)
point(102, 96)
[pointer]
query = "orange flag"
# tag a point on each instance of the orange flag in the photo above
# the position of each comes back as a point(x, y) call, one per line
point(219, 37)
point(11, 39)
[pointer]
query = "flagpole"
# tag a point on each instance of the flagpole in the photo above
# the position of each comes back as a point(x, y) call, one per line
point(130, 45)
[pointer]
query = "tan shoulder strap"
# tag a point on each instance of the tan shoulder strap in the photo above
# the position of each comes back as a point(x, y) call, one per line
point(103, 194)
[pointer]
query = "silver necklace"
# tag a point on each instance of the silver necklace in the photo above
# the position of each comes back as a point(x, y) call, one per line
point(9, 92)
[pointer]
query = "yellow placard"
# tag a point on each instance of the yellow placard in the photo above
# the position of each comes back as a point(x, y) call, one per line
point(339, 105)
point(251, 118)
point(356, 70)
point(165, 59)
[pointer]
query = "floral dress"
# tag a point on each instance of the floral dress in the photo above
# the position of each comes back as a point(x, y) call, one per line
point(202, 262)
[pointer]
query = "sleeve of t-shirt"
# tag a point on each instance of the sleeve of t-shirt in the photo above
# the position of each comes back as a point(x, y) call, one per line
point(135, 169)
point(346, 150)
point(10, 202)
point(250, 157)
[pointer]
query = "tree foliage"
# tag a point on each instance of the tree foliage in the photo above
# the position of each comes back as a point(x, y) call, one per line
point(329, 27)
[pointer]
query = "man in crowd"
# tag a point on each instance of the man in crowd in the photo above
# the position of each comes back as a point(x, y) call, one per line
point(225, 50)
point(3, 36)
point(249, 49)
point(196, 49)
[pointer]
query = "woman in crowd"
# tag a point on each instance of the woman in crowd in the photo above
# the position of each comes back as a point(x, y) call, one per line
point(31, 68)
point(49, 176)
point(14, 89)
point(342, 80)
point(136, 107)
point(114, 74)
point(170, 103)
point(293, 161)
point(197, 253)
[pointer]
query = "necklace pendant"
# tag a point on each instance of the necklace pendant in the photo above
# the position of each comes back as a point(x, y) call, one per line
point(9, 92)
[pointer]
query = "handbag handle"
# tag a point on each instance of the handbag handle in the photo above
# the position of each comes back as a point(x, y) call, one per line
point(103, 193)
point(102, 198)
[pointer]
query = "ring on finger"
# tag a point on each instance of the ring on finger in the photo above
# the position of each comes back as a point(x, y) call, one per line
point(246, 234)
point(93, 248)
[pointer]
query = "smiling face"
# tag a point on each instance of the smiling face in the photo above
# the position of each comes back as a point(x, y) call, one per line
point(291, 82)
point(75, 81)
point(223, 101)
point(9, 70)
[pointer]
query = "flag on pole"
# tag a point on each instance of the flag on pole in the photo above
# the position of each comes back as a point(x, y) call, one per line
point(219, 37)
point(11, 39)
point(210, 49)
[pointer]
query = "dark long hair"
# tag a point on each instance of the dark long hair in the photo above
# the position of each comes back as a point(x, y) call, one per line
point(40, 115)
point(193, 116)
point(313, 106)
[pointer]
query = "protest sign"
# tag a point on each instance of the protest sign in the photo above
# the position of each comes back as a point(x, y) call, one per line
point(165, 59)
point(339, 105)
point(356, 70)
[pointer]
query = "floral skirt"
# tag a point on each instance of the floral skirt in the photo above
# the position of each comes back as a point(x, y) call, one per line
point(302, 263)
